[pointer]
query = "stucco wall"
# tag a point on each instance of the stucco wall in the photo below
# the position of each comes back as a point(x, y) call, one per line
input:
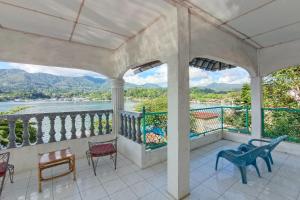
point(32, 49)
point(278, 57)
point(210, 42)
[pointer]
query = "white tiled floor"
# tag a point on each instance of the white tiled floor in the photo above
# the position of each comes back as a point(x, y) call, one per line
point(130, 182)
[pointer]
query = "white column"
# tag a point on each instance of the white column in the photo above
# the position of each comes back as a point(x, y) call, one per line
point(178, 112)
point(256, 106)
point(117, 89)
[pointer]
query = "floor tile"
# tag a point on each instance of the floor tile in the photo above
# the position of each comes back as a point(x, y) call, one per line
point(114, 186)
point(126, 194)
point(94, 193)
point(142, 188)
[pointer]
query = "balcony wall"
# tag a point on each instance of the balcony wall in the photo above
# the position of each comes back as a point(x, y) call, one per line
point(54, 131)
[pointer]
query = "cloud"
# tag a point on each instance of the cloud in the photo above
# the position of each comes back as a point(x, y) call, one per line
point(58, 71)
point(234, 76)
point(199, 77)
point(158, 75)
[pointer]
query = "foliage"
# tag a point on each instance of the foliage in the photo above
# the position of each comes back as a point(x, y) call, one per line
point(208, 95)
point(282, 88)
point(4, 128)
point(159, 104)
point(235, 119)
point(245, 96)
point(145, 93)
point(280, 122)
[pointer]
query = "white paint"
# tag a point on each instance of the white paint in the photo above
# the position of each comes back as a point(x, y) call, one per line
point(256, 106)
point(131, 150)
point(117, 90)
point(284, 147)
point(178, 111)
point(146, 158)
point(31, 49)
point(157, 42)
point(210, 42)
point(278, 57)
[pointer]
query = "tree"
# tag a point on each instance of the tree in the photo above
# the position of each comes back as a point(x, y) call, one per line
point(282, 88)
point(246, 94)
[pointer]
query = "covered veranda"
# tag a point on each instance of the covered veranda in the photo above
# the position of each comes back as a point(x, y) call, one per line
point(111, 37)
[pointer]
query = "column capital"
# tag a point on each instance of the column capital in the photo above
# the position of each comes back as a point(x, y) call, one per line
point(117, 82)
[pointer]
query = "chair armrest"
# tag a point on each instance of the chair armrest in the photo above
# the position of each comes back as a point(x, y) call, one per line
point(257, 140)
point(230, 154)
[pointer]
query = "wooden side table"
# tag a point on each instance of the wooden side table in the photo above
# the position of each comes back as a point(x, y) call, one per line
point(55, 158)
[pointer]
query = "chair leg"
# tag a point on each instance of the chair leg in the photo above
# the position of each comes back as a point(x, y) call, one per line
point(256, 168)
point(2, 184)
point(115, 161)
point(243, 174)
point(11, 170)
point(88, 157)
point(217, 161)
point(93, 164)
point(266, 159)
point(271, 159)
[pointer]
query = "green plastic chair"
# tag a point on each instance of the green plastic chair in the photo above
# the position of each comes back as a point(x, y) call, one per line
point(271, 144)
point(242, 159)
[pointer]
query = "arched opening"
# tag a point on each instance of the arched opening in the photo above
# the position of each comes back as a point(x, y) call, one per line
point(281, 112)
point(224, 95)
point(44, 99)
point(215, 98)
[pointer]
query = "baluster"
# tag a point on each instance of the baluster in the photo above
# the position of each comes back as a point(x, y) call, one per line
point(12, 133)
point(100, 124)
point(52, 128)
point(107, 127)
point(122, 124)
point(129, 127)
point(25, 131)
point(73, 129)
point(83, 126)
point(139, 133)
point(63, 127)
point(126, 130)
point(134, 129)
point(92, 127)
point(39, 120)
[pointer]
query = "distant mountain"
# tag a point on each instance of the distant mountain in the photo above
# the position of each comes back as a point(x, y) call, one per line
point(15, 80)
point(223, 87)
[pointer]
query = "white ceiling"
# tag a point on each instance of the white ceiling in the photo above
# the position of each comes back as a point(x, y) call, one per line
point(101, 23)
point(262, 23)
point(110, 23)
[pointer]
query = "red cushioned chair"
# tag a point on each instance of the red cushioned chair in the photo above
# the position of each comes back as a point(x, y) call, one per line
point(4, 166)
point(101, 149)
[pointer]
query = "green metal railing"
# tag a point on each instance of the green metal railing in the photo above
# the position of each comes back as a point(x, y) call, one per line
point(236, 119)
point(202, 121)
point(281, 121)
point(275, 122)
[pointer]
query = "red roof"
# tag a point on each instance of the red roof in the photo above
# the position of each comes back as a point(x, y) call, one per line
point(205, 115)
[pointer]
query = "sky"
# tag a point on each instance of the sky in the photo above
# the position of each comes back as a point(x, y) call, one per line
point(156, 75)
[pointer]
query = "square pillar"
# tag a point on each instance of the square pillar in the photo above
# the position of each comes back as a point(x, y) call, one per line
point(256, 106)
point(178, 112)
point(117, 89)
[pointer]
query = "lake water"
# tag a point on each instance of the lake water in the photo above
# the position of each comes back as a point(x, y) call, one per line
point(46, 106)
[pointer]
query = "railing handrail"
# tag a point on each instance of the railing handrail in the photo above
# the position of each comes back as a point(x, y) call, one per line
point(32, 115)
point(103, 116)
point(283, 109)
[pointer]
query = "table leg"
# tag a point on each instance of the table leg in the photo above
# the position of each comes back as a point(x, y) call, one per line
point(40, 179)
point(74, 167)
